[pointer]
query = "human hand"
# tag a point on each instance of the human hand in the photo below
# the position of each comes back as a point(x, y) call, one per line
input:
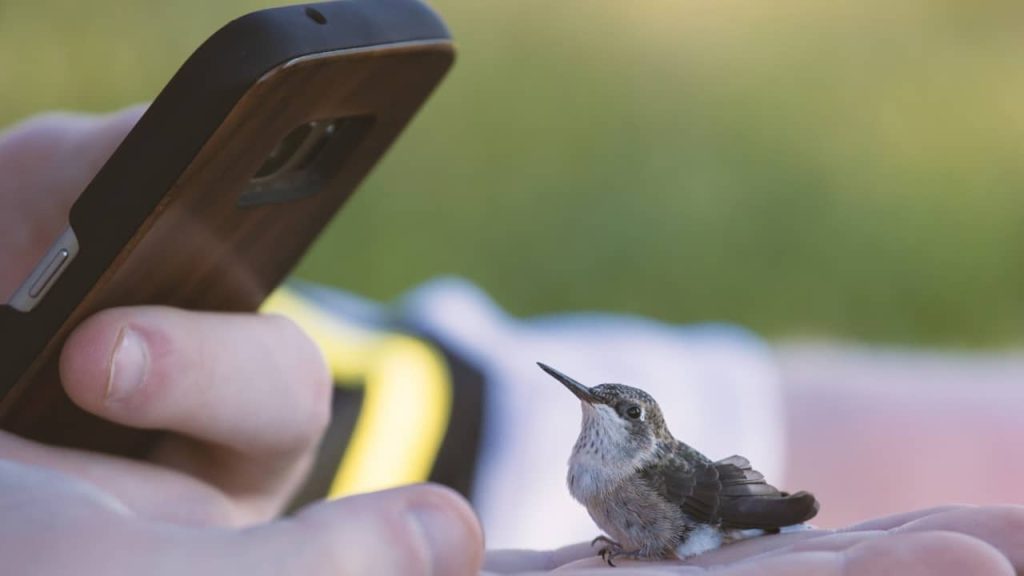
point(245, 400)
point(953, 541)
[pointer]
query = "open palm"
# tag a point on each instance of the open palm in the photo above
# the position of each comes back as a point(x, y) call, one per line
point(953, 540)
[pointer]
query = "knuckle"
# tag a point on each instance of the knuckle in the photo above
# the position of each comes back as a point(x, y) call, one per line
point(46, 123)
point(40, 138)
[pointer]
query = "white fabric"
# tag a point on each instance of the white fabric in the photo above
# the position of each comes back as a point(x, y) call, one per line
point(717, 385)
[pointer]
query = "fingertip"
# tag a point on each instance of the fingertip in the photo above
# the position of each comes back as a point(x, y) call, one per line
point(117, 363)
point(451, 528)
point(935, 552)
point(423, 530)
point(1001, 526)
point(87, 358)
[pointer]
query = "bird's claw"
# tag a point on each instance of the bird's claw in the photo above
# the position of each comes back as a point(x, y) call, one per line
point(612, 550)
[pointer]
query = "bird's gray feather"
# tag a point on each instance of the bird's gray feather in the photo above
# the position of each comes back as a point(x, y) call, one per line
point(728, 492)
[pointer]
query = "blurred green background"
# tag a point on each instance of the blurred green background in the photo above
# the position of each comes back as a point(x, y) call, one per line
point(846, 169)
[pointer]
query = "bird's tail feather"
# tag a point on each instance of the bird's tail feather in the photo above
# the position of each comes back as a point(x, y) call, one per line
point(747, 501)
point(768, 512)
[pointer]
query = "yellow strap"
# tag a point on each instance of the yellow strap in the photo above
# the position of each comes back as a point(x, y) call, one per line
point(407, 397)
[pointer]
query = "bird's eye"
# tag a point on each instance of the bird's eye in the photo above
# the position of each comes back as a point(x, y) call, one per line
point(634, 412)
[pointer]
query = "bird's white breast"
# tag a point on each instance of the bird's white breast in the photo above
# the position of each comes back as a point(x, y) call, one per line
point(600, 459)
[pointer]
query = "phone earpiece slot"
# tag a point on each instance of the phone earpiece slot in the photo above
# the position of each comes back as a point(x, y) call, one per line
point(316, 16)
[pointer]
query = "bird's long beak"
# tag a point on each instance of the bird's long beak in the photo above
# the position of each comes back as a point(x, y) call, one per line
point(581, 391)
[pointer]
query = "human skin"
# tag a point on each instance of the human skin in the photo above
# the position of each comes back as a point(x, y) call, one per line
point(950, 540)
point(244, 399)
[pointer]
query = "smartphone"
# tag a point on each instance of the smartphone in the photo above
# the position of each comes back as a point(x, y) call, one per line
point(221, 187)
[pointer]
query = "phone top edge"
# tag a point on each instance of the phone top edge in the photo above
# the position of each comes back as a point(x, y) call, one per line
point(261, 40)
point(435, 43)
point(205, 88)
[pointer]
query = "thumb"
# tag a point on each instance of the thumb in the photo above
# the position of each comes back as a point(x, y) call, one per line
point(424, 530)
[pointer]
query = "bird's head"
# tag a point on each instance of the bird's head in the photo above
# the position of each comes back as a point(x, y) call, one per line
point(616, 417)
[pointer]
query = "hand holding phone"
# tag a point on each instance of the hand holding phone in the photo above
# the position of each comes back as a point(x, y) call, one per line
point(220, 187)
point(241, 408)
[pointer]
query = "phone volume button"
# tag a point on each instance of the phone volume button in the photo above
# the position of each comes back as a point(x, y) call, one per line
point(56, 264)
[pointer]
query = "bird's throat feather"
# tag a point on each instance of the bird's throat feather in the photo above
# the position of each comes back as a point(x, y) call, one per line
point(603, 456)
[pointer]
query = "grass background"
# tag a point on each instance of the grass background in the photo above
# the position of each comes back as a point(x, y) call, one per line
point(849, 169)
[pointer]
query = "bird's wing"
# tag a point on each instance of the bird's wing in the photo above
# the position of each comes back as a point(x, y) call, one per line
point(738, 479)
point(692, 482)
point(729, 492)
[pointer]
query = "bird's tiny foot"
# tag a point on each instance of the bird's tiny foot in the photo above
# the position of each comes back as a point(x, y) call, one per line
point(613, 550)
point(606, 551)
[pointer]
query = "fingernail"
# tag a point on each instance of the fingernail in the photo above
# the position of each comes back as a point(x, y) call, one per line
point(438, 526)
point(127, 366)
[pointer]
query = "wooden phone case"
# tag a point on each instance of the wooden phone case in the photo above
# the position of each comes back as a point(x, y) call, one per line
point(175, 218)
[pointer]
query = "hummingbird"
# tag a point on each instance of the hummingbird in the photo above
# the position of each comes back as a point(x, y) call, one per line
point(656, 497)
